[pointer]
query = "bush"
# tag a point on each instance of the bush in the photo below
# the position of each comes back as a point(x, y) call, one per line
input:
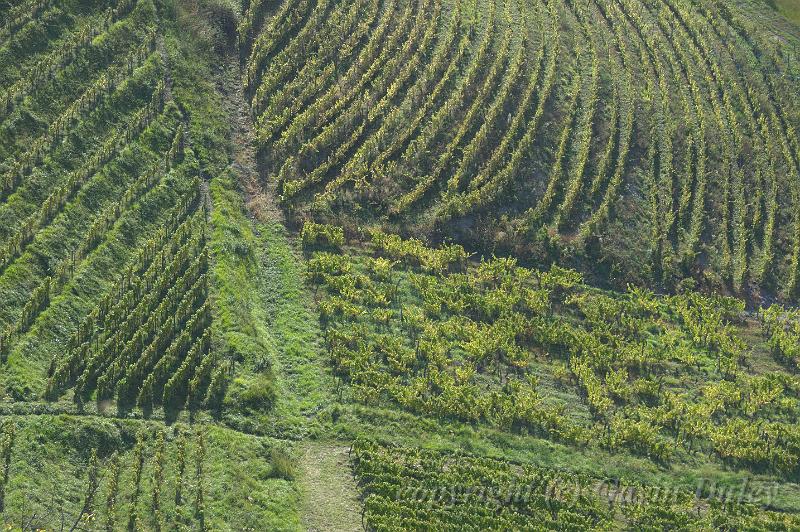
point(283, 465)
point(260, 393)
point(314, 234)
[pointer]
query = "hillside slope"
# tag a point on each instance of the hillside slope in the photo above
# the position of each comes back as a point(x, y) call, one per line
point(381, 264)
point(644, 142)
point(138, 368)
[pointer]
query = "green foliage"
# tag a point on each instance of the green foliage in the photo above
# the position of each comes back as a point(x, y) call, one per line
point(134, 477)
point(434, 260)
point(314, 234)
point(283, 465)
point(129, 276)
point(623, 135)
point(641, 143)
point(409, 488)
point(476, 347)
point(6, 449)
point(782, 328)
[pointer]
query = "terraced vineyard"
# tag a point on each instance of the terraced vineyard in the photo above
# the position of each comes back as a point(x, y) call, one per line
point(115, 280)
point(132, 475)
point(553, 130)
point(399, 264)
point(519, 349)
point(465, 492)
point(517, 354)
point(97, 164)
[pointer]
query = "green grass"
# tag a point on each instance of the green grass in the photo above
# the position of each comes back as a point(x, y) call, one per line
point(303, 385)
point(364, 411)
point(49, 475)
point(330, 499)
point(266, 317)
point(276, 447)
point(788, 8)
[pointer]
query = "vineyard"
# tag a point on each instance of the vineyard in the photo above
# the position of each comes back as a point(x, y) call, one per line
point(128, 475)
point(109, 247)
point(82, 193)
point(119, 295)
point(683, 379)
point(640, 141)
point(541, 353)
point(399, 264)
point(412, 489)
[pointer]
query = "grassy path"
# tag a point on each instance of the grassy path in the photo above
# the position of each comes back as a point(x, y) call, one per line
point(329, 496)
point(330, 499)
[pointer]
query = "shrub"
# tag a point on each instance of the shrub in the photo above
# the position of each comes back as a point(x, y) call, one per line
point(260, 393)
point(315, 234)
point(283, 465)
